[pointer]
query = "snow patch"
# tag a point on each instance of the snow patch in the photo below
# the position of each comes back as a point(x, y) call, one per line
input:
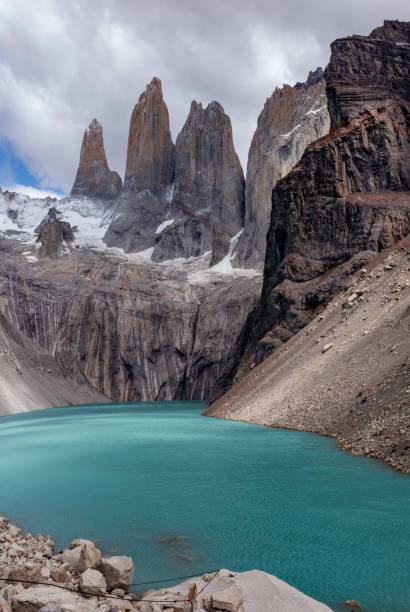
point(163, 225)
point(315, 111)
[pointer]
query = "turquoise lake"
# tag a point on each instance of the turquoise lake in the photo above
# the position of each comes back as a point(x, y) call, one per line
point(217, 493)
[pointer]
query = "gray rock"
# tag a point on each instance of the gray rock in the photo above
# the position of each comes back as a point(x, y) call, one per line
point(93, 582)
point(82, 557)
point(229, 599)
point(118, 571)
point(37, 597)
point(291, 119)
point(208, 192)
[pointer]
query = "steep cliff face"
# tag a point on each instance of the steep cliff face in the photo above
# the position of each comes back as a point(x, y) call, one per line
point(134, 332)
point(208, 193)
point(94, 179)
point(148, 176)
point(31, 379)
point(348, 193)
point(348, 198)
point(292, 118)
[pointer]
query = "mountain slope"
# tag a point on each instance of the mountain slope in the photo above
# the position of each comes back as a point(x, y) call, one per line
point(347, 374)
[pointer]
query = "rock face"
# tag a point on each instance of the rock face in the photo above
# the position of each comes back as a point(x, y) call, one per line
point(134, 332)
point(208, 193)
point(148, 176)
point(94, 179)
point(55, 235)
point(348, 192)
point(183, 200)
point(291, 119)
point(348, 198)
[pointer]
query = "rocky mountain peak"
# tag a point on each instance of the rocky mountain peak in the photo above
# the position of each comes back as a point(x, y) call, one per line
point(94, 179)
point(291, 119)
point(208, 194)
point(150, 156)
point(314, 78)
point(368, 73)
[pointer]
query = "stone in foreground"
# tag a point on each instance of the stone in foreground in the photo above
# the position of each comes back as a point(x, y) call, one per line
point(118, 571)
point(253, 591)
point(82, 555)
point(93, 582)
point(37, 597)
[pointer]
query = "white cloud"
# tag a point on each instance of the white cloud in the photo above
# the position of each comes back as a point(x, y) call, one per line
point(31, 192)
point(63, 63)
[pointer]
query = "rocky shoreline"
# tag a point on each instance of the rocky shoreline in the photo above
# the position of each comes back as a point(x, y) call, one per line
point(79, 579)
point(346, 374)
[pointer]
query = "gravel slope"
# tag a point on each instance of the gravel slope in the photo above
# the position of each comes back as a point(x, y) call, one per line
point(346, 374)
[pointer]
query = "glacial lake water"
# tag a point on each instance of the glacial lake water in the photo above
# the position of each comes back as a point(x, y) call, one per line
point(183, 494)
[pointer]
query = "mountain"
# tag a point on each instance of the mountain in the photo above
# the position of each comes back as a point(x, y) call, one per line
point(208, 193)
point(148, 176)
point(94, 179)
point(291, 119)
point(342, 211)
point(183, 200)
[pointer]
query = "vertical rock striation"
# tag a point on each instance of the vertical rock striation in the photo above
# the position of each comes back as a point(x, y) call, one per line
point(148, 176)
point(94, 179)
point(208, 195)
point(291, 119)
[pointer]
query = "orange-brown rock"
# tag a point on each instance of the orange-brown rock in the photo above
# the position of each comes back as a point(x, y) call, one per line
point(94, 179)
point(150, 156)
point(291, 119)
point(148, 175)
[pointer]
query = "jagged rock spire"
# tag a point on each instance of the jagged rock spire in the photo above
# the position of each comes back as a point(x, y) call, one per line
point(208, 195)
point(150, 156)
point(94, 178)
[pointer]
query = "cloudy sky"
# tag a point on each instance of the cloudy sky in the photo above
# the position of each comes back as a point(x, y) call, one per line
point(63, 62)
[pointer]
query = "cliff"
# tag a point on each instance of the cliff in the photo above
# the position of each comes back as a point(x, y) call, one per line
point(94, 179)
point(291, 119)
point(133, 331)
point(345, 202)
point(208, 193)
point(31, 379)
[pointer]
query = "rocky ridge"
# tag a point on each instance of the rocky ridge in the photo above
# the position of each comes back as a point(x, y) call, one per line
point(291, 119)
point(182, 200)
point(79, 578)
point(94, 179)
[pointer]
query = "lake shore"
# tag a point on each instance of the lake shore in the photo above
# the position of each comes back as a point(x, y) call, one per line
point(33, 577)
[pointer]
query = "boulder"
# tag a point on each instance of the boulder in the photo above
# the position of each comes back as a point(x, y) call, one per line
point(92, 582)
point(229, 599)
point(82, 556)
point(118, 571)
point(35, 598)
